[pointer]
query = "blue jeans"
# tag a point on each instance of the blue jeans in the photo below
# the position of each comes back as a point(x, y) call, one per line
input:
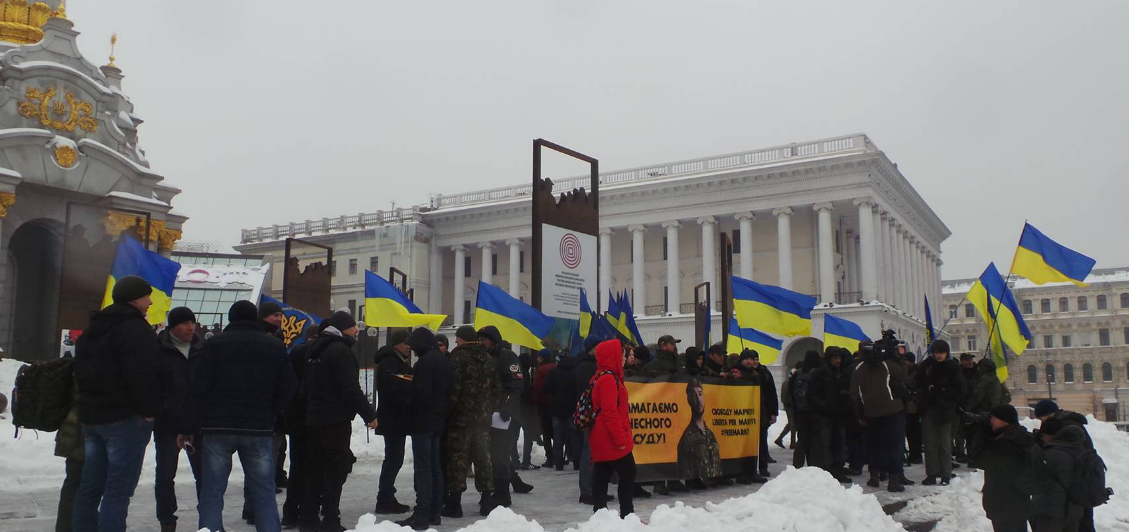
point(167, 456)
point(585, 466)
point(393, 461)
point(114, 455)
point(257, 458)
point(428, 466)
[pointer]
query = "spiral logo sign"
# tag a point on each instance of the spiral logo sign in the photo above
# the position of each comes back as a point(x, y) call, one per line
point(570, 251)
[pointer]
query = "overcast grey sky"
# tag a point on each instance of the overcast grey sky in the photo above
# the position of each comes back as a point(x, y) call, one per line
point(270, 111)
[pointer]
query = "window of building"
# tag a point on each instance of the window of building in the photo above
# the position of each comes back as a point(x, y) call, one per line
point(1087, 372)
point(1107, 372)
point(467, 318)
point(352, 307)
point(1083, 303)
point(1068, 374)
point(666, 298)
point(1063, 304)
point(352, 266)
point(736, 241)
point(466, 266)
point(969, 310)
point(1127, 336)
point(1048, 341)
point(1045, 306)
point(1027, 308)
point(1050, 374)
point(1127, 370)
point(1066, 340)
point(374, 265)
point(1085, 338)
point(333, 268)
point(1102, 305)
point(521, 262)
point(955, 347)
point(664, 248)
point(971, 343)
point(494, 264)
point(1032, 374)
point(838, 242)
point(1125, 300)
point(952, 311)
point(1103, 337)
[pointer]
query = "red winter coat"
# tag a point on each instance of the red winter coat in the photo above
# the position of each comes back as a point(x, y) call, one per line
point(610, 436)
point(540, 396)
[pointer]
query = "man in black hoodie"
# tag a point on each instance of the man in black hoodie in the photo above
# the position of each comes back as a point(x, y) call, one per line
point(1008, 473)
point(115, 369)
point(295, 425)
point(502, 439)
point(940, 388)
point(393, 382)
point(829, 400)
point(1046, 410)
point(176, 345)
point(584, 370)
point(333, 399)
point(801, 386)
point(431, 386)
point(240, 381)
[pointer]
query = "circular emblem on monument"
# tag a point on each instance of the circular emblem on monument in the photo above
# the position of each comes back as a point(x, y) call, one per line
point(570, 251)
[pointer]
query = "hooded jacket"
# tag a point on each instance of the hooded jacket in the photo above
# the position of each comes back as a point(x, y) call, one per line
point(115, 367)
point(333, 389)
point(240, 381)
point(431, 384)
point(561, 387)
point(986, 389)
point(610, 436)
point(295, 412)
point(878, 387)
point(827, 392)
point(173, 388)
point(392, 392)
point(664, 363)
point(939, 385)
point(1008, 478)
point(1056, 476)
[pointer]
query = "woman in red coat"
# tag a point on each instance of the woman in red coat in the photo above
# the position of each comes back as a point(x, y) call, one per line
point(609, 439)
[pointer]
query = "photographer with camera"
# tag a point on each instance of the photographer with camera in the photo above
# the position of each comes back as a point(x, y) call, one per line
point(878, 389)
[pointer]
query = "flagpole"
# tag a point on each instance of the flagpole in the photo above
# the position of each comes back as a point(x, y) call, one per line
point(993, 330)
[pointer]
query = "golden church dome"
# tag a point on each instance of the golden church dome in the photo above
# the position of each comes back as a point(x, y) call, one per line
point(21, 21)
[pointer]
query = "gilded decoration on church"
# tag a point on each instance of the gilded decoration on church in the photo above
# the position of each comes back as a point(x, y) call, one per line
point(65, 114)
point(116, 222)
point(21, 22)
point(7, 199)
point(66, 156)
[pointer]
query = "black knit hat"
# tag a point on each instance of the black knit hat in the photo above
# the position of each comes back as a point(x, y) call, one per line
point(1006, 413)
point(1052, 426)
point(269, 308)
point(717, 349)
point(180, 315)
point(939, 346)
point(341, 320)
point(242, 310)
point(749, 354)
point(490, 332)
point(398, 337)
point(466, 333)
point(441, 339)
point(1045, 407)
point(130, 288)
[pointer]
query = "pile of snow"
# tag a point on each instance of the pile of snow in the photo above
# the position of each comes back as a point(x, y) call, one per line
point(798, 499)
point(959, 507)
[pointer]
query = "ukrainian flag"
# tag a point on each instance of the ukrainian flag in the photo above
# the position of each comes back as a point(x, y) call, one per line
point(996, 345)
point(520, 324)
point(387, 306)
point(585, 315)
point(617, 317)
point(772, 309)
point(1042, 260)
point(133, 259)
point(838, 332)
point(741, 339)
point(990, 295)
point(627, 321)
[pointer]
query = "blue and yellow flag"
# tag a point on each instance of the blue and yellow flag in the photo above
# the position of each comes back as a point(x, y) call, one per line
point(520, 324)
point(772, 309)
point(133, 259)
point(585, 315)
point(295, 322)
point(741, 339)
point(387, 306)
point(996, 346)
point(617, 318)
point(991, 296)
point(627, 321)
point(930, 332)
point(1042, 260)
point(838, 332)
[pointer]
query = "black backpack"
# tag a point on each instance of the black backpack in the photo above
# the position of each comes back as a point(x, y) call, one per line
point(43, 394)
point(1088, 486)
point(801, 383)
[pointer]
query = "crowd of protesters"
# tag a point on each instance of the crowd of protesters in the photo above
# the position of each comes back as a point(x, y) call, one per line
point(241, 393)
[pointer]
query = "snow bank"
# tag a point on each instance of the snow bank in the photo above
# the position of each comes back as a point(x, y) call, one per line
point(959, 507)
point(797, 500)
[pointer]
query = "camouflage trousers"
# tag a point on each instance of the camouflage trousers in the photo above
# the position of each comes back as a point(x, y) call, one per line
point(466, 445)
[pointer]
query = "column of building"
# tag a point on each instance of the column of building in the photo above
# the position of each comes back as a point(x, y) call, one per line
point(746, 221)
point(784, 245)
point(881, 270)
point(866, 249)
point(673, 280)
point(460, 284)
point(638, 273)
point(826, 253)
point(596, 300)
point(709, 256)
point(515, 266)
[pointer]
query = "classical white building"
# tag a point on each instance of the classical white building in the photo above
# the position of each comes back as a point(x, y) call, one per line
point(834, 218)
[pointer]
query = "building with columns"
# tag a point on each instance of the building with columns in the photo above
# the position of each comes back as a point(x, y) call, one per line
point(1079, 353)
point(834, 218)
point(72, 174)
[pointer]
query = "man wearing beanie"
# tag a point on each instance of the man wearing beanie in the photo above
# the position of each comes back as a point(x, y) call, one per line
point(502, 440)
point(1047, 410)
point(241, 380)
point(940, 390)
point(333, 399)
point(474, 392)
point(115, 369)
point(430, 389)
point(443, 343)
point(270, 314)
point(393, 385)
point(1007, 471)
point(176, 345)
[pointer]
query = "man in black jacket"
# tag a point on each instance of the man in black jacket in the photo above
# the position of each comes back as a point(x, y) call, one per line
point(1008, 472)
point(583, 372)
point(829, 399)
point(333, 399)
point(295, 425)
point(240, 381)
point(940, 388)
point(431, 386)
point(502, 439)
point(115, 368)
point(1046, 410)
point(176, 345)
point(393, 382)
point(750, 363)
point(560, 386)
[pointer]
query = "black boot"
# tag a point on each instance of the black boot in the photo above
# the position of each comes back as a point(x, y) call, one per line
point(874, 481)
point(453, 505)
point(486, 504)
point(519, 486)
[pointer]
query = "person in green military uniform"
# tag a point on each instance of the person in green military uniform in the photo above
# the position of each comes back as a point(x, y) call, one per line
point(699, 458)
point(474, 393)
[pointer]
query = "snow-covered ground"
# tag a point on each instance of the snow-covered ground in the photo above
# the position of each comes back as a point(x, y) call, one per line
point(795, 500)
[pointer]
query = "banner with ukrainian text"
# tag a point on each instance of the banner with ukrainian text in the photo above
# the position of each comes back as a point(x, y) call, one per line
point(692, 427)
